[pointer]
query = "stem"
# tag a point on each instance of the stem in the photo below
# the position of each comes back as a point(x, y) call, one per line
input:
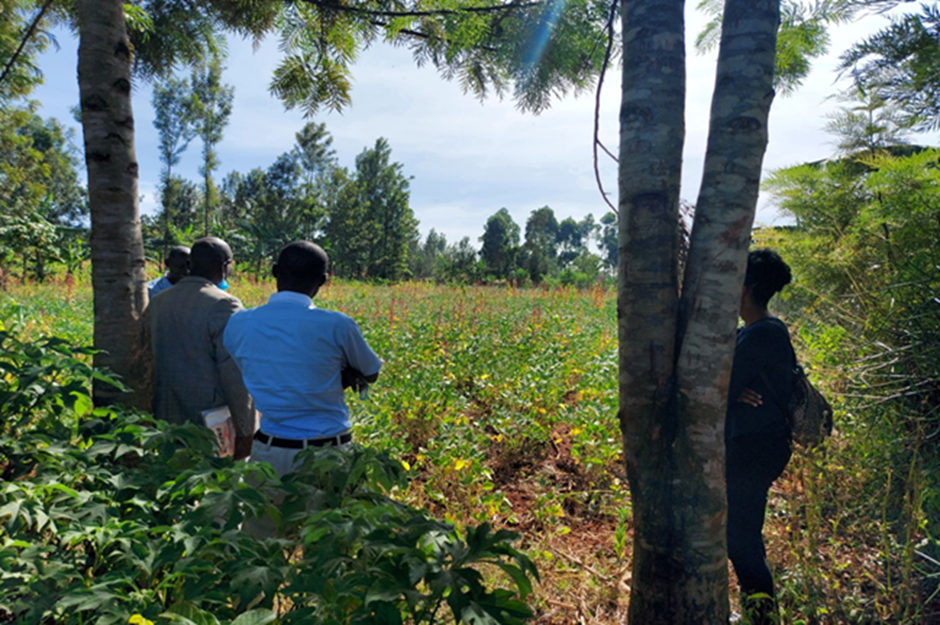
point(597, 107)
point(332, 5)
point(29, 33)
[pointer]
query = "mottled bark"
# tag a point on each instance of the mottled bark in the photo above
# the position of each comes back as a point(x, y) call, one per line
point(675, 357)
point(652, 131)
point(117, 251)
point(737, 140)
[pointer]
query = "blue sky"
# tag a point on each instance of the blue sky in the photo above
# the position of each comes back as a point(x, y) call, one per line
point(468, 159)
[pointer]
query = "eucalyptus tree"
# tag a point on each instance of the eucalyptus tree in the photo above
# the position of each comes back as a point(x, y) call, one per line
point(573, 237)
point(500, 243)
point(211, 106)
point(425, 258)
point(117, 249)
point(459, 262)
point(348, 230)
point(676, 345)
point(539, 255)
point(607, 240)
point(371, 226)
point(316, 157)
point(174, 120)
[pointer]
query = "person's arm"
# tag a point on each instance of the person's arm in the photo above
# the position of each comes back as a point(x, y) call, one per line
point(145, 362)
point(354, 378)
point(360, 359)
point(237, 398)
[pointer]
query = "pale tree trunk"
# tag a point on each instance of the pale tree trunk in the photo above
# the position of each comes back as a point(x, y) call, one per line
point(675, 357)
point(652, 130)
point(117, 251)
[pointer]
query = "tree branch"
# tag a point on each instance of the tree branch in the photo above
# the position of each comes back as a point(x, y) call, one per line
point(420, 35)
point(334, 5)
point(29, 33)
point(597, 106)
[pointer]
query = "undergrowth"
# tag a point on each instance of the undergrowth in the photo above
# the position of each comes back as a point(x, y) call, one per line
point(500, 405)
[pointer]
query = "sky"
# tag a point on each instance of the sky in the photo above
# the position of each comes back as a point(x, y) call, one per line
point(467, 158)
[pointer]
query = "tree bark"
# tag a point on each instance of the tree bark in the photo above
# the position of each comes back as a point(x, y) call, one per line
point(711, 295)
point(675, 355)
point(117, 251)
point(652, 131)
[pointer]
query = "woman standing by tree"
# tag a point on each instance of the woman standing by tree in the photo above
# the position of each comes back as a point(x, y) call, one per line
point(757, 435)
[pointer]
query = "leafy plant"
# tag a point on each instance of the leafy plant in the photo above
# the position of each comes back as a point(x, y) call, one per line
point(111, 517)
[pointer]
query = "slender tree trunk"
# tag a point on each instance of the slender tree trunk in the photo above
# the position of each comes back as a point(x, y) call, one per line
point(167, 203)
point(208, 230)
point(40, 266)
point(675, 356)
point(652, 131)
point(117, 251)
point(711, 294)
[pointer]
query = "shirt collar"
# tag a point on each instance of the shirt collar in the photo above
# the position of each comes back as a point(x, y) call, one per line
point(291, 297)
point(196, 279)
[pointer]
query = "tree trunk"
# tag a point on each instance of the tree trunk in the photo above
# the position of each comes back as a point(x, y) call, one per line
point(40, 266)
point(652, 131)
point(117, 251)
point(675, 357)
point(208, 230)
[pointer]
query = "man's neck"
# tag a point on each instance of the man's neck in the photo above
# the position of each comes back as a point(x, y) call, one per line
point(282, 288)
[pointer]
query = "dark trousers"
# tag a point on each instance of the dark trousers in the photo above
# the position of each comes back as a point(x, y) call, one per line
point(752, 463)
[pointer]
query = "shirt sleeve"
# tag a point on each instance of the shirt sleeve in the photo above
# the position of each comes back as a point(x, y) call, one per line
point(145, 354)
point(765, 347)
point(236, 395)
point(357, 352)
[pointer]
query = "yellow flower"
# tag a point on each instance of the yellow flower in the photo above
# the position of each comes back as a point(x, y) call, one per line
point(138, 619)
point(459, 464)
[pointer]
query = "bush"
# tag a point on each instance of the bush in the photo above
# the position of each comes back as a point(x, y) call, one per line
point(111, 517)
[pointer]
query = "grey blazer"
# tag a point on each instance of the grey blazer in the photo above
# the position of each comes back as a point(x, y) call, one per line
point(192, 370)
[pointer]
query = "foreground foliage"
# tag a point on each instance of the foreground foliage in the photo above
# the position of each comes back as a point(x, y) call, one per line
point(109, 517)
point(501, 406)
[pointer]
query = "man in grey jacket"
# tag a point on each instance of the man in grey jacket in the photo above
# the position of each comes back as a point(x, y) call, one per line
point(192, 370)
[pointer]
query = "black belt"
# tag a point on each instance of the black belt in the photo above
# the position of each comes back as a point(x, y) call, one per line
point(301, 443)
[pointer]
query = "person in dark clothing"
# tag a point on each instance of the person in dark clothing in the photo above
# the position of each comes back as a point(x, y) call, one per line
point(757, 435)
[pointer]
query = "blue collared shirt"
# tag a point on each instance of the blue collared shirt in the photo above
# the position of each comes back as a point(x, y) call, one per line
point(160, 284)
point(291, 354)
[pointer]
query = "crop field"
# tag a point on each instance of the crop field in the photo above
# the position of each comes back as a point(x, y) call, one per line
point(502, 406)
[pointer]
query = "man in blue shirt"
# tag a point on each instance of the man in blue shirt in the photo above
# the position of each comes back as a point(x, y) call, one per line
point(296, 359)
point(177, 268)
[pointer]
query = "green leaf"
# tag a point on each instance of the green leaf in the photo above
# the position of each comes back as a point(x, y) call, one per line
point(260, 616)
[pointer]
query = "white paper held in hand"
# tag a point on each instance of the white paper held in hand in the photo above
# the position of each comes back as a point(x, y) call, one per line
point(219, 420)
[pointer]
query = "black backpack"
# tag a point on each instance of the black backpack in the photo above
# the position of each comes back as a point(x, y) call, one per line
point(807, 412)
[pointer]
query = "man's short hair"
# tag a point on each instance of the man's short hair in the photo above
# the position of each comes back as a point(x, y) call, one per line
point(177, 256)
point(209, 254)
point(302, 261)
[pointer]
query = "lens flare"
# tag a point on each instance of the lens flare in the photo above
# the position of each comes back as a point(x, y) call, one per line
point(542, 33)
